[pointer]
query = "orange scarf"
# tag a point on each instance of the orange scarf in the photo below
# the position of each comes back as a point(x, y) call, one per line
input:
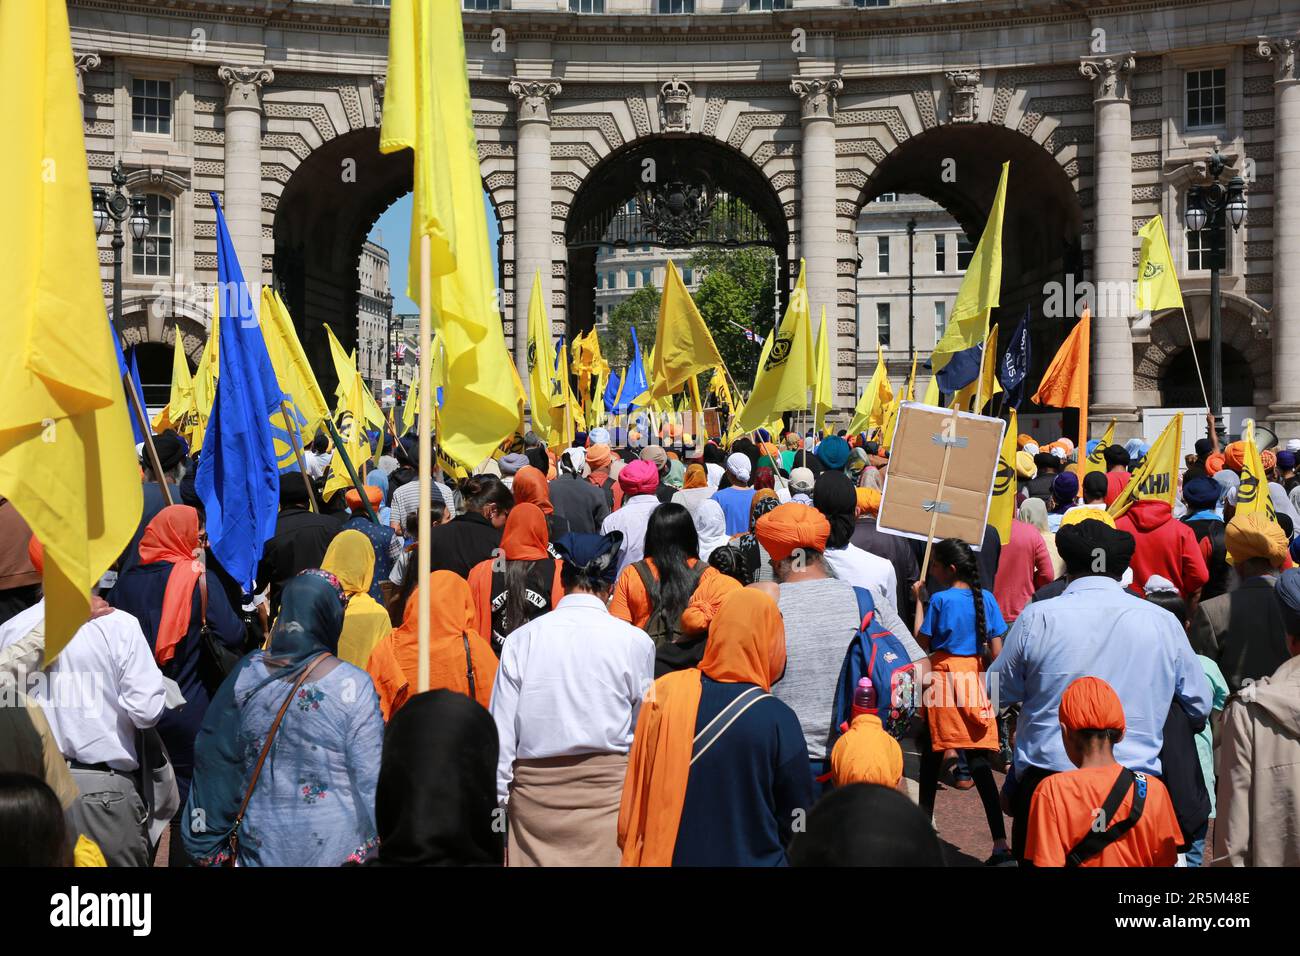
point(530, 487)
point(746, 645)
point(696, 477)
point(173, 536)
point(524, 539)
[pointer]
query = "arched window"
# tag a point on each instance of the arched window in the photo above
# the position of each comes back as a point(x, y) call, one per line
point(152, 256)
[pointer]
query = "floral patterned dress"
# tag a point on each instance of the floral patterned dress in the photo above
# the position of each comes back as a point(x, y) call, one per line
point(314, 804)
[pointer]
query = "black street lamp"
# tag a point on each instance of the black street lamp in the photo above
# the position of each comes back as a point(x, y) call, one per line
point(1210, 207)
point(116, 206)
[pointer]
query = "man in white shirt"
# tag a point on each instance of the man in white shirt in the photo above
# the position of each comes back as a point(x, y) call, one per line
point(101, 689)
point(406, 501)
point(638, 481)
point(565, 702)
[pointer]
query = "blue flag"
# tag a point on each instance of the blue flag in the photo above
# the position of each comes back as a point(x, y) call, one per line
point(635, 382)
point(139, 393)
point(238, 478)
point(611, 390)
point(962, 369)
point(1014, 367)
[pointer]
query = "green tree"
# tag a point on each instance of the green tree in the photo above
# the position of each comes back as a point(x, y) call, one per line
point(640, 309)
point(736, 294)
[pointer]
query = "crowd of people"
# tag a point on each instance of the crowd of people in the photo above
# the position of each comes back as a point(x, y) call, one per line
point(668, 654)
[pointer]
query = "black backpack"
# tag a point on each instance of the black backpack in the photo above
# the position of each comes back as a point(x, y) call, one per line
point(672, 651)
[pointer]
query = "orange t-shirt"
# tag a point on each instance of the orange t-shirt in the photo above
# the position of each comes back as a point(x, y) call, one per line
point(1065, 805)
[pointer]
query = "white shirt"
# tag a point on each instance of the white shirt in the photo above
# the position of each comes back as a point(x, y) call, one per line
point(100, 689)
point(406, 501)
point(692, 498)
point(570, 682)
point(631, 519)
point(316, 464)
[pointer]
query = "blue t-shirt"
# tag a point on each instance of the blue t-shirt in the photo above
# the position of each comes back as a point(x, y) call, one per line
point(950, 621)
point(735, 503)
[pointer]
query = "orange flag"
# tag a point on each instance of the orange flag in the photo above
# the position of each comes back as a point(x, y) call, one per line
point(1065, 383)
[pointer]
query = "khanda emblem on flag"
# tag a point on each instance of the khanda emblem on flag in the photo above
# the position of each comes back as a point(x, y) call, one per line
point(1152, 270)
point(781, 347)
point(1098, 456)
point(532, 356)
point(1248, 491)
point(285, 454)
point(345, 422)
point(1005, 475)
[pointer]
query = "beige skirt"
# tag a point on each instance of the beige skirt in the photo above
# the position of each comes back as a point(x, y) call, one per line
point(564, 811)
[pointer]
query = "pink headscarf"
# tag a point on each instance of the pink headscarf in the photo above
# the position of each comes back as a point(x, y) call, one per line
point(639, 478)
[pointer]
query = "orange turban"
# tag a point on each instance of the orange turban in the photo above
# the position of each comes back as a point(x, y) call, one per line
point(36, 554)
point(1022, 440)
point(598, 456)
point(790, 526)
point(1234, 456)
point(353, 499)
point(1214, 464)
point(1089, 703)
point(868, 501)
point(866, 754)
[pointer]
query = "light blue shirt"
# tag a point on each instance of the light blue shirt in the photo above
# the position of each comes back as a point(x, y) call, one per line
point(1096, 628)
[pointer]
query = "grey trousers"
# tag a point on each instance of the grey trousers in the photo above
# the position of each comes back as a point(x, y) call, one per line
point(110, 812)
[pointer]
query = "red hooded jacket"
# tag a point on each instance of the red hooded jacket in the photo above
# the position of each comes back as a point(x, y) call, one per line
point(1164, 546)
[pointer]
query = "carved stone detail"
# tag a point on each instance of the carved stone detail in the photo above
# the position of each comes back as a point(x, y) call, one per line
point(963, 95)
point(1110, 75)
point(534, 98)
point(817, 95)
point(675, 106)
point(1282, 51)
point(243, 84)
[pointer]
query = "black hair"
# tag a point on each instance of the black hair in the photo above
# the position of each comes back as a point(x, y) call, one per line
point(1172, 602)
point(319, 444)
point(437, 511)
point(1115, 455)
point(32, 828)
point(1286, 524)
point(727, 559)
point(1091, 735)
point(583, 579)
point(413, 520)
point(671, 540)
point(479, 491)
point(1094, 486)
point(835, 497)
point(958, 553)
point(538, 458)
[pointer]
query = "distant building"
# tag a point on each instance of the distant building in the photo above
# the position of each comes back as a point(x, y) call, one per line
point(374, 305)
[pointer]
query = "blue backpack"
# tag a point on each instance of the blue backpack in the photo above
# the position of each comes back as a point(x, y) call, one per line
point(876, 653)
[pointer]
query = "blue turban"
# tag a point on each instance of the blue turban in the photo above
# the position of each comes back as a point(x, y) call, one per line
point(1288, 589)
point(833, 452)
point(593, 554)
point(1065, 487)
point(1136, 448)
point(1202, 493)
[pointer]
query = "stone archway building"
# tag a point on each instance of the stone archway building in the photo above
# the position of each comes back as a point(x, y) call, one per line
point(817, 99)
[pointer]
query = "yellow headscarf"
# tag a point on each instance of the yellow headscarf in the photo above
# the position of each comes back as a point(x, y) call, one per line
point(351, 558)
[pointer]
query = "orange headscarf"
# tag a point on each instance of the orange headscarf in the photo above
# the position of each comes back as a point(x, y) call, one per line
point(1089, 703)
point(394, 663)
point(524, 539)
point(866, 753)
point(868, 501)
point(530, 488)
point(790, 526)
point(36, 554)
point(746, 645)
point(173, 536)
point(696, 477)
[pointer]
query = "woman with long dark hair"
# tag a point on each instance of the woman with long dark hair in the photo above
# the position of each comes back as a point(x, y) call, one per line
point(521, 583)
point(670, 593)
point(961, 627)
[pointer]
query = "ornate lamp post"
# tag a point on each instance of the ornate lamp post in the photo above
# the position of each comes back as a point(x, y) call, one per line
point(115, 206)
point(1208, 210)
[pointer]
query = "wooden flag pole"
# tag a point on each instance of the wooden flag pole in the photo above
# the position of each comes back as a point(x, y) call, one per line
point(291, 426)
point(134, 400)
point(426, 462)
point(1197, 362)
point(949, 436)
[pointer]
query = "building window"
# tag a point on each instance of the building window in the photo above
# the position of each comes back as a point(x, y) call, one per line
point(964, 252)
point(688, 276)
point(886, 197)
point(586, 6)
point(645, 277)
point(871, 3)
point(1206, 98)
point(676, 6)
point(480, 5)
point(768, 4)
point(882, 324)
point(600, 280)
point(631, 278)
point(152, 256)
point(1198, 250)
point(940, 320)
point(611, 280)
point(940, 253)
point(151, 106)
point(882, 255)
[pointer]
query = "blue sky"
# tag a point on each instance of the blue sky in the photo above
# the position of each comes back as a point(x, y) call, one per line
point(394, 226)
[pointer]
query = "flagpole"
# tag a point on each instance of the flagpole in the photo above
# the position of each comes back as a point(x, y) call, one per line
point(426, 462)
point(1191, 339)
point(352, 472)
point(147, 430)
point(291, 427)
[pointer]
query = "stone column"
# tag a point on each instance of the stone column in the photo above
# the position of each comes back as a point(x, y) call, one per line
point(242, 195)
point(1112, 261)
point(532, 202)
point(817, 233)
point(1285, 410)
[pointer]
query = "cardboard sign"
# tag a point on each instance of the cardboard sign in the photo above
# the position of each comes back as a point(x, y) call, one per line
point(913, 500)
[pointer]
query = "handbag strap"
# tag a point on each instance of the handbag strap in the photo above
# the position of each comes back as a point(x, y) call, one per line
point(707, 737)
point(203, 598)
point(469, 666)
point(270, 736)
point(1098, 840)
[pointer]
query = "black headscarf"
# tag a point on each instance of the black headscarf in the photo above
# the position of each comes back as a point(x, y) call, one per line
point(436, 799)
point(835, 497)
point(865, 824)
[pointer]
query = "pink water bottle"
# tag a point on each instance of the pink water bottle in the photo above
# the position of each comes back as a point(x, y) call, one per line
point(864, 698)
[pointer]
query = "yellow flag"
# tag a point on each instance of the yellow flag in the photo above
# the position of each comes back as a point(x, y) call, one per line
point(910, 389)
point(1002, 506)
point(986, 384)
point(293, 373)
point(520, 426)
point(345, 366)
point(205, 377)
point(787, 365)
point(980, 288)
point(412, 406)
point(823, 388)
point(565, 410)
point(1252, 493)
point(1158, 476)
point(67, 460)
point(178, 414)
point(541, 363)
point(683, 345)
point(931, 396)
point(349, 421)
point(427, 109)
point(1097, 460)
point(870, 410)
point(1157, 282)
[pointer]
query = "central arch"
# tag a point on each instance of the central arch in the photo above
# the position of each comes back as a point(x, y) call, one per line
point(669, 192)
